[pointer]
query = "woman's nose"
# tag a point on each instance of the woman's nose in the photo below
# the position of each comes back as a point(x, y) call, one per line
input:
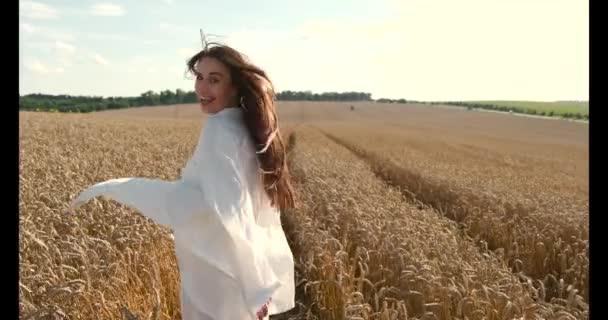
point(200, 87)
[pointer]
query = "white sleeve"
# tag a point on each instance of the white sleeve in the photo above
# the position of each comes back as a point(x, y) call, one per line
point(148, 196)
point(166, 202)
point(224, 180)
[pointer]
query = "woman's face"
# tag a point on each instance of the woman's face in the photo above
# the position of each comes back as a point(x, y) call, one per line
point(213, 86)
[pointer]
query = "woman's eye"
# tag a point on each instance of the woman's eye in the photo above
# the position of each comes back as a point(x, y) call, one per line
point(213, 80)
point(199, 77)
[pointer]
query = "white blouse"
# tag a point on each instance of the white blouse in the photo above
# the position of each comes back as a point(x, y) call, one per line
point(231, 250)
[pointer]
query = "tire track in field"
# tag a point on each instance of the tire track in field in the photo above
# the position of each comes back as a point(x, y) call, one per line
point(417, 190)
point(468, 210)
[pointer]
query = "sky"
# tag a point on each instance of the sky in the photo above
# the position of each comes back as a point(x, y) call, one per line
point(427, 50)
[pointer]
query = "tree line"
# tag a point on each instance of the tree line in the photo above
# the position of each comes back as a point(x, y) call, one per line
point(515, 109)
point(68, 103)
point(326, 96)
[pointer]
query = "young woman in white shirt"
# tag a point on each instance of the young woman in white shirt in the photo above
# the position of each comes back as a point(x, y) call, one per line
point(233, 257)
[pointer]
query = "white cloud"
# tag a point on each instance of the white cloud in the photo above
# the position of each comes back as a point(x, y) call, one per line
point(27, 28)
point(58, 53)
point(65, 48)
point(100, 60)
point(168, 1)
point(36, 67)
point(37, 10)
point(64, 53)
point(107, 10)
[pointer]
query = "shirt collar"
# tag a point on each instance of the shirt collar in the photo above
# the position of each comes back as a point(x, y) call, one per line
point(229, 112)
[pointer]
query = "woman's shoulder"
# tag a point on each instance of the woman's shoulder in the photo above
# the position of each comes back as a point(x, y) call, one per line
point(225, 131)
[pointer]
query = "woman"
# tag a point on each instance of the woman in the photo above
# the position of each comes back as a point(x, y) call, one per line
point(233, 256)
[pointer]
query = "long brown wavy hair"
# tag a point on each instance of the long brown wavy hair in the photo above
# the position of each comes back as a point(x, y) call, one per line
point(257, 94)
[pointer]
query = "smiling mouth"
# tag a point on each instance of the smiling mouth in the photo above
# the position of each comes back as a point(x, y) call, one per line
point(206, 100)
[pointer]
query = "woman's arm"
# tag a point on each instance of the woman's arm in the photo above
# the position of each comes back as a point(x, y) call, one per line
point(165, 202)
point(148, 196)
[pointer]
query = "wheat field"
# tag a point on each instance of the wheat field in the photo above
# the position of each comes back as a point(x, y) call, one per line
point(405, 212)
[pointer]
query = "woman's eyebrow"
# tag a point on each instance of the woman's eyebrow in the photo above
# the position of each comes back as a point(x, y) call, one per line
point(213, 73)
